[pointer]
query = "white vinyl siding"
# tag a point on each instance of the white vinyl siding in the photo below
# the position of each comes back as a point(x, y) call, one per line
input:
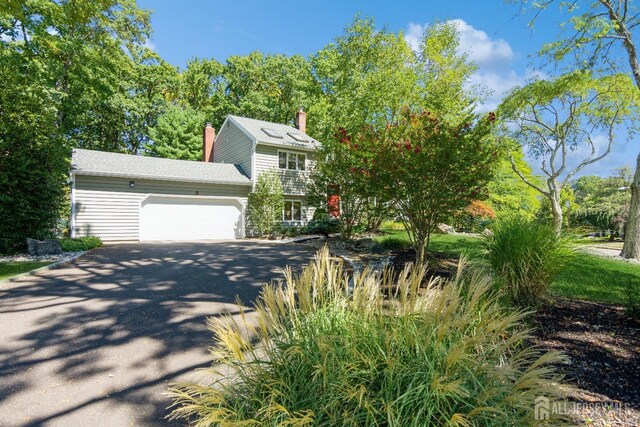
point(233, 146)
point(294, 182)
point(109, 208)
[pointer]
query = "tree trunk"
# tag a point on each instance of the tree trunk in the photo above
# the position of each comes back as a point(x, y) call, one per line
point(631, 248)
point(421, 251)
point(556, 210)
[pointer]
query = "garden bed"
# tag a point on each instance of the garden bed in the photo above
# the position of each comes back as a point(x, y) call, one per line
point(603, 345)
point(601, 341)
point(438, 265)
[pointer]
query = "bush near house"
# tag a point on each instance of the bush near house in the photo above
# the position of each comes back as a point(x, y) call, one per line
point(324, 225)
point(80, 244)
point(265, 204)
point(449, 354)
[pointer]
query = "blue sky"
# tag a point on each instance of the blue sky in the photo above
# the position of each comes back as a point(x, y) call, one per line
point(495, 36)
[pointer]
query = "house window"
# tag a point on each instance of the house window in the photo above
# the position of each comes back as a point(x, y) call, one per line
point(292, 211)
point(291, 161)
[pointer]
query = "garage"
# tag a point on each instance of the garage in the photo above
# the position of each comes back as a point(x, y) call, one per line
point(186, 218)
point(120, 197)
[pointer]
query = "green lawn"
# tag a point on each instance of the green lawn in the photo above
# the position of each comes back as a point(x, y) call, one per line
point(586, 276)
point(9, 269)
point(596, 278)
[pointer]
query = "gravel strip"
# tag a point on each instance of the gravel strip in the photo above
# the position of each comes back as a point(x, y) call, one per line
point(53, 258)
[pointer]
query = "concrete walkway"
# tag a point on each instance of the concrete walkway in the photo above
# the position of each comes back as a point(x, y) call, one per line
point(98, 342)
point(608, 253)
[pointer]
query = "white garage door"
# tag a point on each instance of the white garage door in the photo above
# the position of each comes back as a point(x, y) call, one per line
point(176, 218)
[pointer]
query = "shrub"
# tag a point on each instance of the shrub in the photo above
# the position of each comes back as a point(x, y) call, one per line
point(265, 204)
point(80, 244)
point(325, 226)
point(321, 351)
point(524, 257)
point(394, 243)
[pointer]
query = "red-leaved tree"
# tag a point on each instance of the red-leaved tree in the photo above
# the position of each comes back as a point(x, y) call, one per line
point(428, 167)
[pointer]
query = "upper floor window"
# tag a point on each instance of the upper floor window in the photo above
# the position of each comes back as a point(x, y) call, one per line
point(291, 161)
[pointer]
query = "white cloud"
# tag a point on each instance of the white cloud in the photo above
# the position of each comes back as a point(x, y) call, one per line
point(496, 72)
point(414, 34)
point(494, 58)
point(149, 44)
point(482, 49)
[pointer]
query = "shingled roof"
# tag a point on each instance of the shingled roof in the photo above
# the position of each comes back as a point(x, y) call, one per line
point(289, 136)
point(90, 162)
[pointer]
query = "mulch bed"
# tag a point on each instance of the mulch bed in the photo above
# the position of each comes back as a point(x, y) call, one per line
point(603, 345)
point(601, 341)
point(437, 264)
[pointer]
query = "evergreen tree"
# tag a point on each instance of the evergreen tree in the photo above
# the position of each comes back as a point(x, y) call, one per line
point(177, 134)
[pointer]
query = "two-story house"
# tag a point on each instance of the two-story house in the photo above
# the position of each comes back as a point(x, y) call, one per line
point(121, 197)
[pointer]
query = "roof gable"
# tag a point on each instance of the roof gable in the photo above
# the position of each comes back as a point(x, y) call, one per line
point(274, 133)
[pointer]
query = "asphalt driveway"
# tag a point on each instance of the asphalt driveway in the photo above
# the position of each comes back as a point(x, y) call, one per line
point(99, 341)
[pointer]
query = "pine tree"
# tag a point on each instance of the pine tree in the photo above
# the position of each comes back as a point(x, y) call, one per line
point(177, 134)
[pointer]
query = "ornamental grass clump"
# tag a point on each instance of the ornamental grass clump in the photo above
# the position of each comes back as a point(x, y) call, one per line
point(525, 256)
point(322, 350)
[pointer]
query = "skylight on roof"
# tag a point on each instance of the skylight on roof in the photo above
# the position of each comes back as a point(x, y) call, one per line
point(297, 137)
point(272, 133)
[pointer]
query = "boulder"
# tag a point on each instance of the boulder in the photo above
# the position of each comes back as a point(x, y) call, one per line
point(444, 229)
point(364, 245)
point(43, 247)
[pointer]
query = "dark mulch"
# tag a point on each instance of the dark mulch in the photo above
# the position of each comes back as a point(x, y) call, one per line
point(603, 344)
point(438, 265)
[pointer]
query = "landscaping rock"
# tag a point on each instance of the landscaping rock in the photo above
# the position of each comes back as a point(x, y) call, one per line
point(43, 247)
point(444, 229)
point(363, 245)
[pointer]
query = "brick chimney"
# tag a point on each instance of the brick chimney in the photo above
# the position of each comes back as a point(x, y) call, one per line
point(209, 135)
point(301, 120)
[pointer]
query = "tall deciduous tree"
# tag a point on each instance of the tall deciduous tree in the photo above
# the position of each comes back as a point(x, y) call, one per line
point(508, 194)
point(177, 134)
point(78, 55)
point(366, 75)
point(33, 158)
point(552, 118)
point(269, 87)
point(203, 88)
point(603, 203)
point(600, 35)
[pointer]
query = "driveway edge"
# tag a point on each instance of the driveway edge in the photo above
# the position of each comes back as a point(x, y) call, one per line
point(44, 268)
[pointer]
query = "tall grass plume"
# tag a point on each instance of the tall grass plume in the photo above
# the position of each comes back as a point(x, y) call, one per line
point(321, 350)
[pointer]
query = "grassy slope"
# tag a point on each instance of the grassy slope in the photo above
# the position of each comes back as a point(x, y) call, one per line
point(587, 276)
point(9, 269)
